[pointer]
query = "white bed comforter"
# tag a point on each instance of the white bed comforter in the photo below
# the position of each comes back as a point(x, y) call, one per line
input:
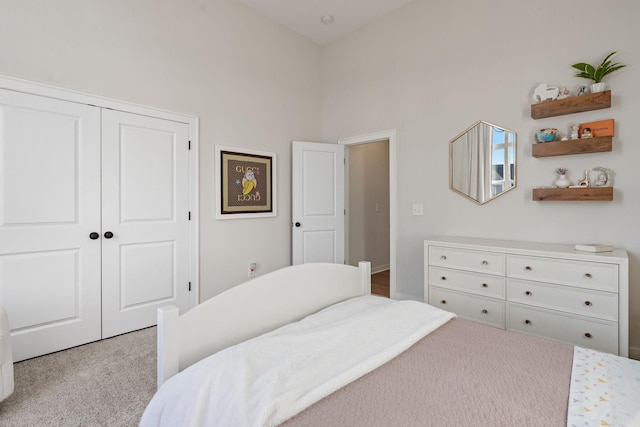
point(271, 378)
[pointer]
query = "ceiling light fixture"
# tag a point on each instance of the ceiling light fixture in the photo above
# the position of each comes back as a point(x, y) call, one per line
point(327, 19)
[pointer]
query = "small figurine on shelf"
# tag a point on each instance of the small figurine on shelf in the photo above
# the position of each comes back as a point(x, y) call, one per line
point(603, 179)
point(586, 133)
point(585, 182)
point(564, 93)
point(574, 131)
point(562, 181)
point(582, 90)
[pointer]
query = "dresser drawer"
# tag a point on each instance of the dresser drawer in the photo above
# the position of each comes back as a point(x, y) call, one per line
point(466, 281)
point(591, 333)
point(478, 261)
point(471, 307)
point(603, 305)
point(590, 275)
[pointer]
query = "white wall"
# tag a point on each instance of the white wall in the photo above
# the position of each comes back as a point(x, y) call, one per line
point(434, 67)
point(252, 83)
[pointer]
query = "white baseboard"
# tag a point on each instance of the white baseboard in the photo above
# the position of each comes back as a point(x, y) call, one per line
point(379, 268)
point(402, 296)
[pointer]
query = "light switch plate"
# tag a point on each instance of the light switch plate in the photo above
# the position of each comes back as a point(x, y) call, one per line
point(417, 210)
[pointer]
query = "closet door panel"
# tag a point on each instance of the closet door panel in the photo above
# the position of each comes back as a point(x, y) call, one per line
point(154, 263)
point(145, 164)
point(147, 174)
point(49, 205)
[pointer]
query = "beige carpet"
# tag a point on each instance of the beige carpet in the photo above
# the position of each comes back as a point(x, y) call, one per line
point(106, 383)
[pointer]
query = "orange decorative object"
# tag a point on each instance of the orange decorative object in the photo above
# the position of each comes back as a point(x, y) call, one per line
point(601, 128)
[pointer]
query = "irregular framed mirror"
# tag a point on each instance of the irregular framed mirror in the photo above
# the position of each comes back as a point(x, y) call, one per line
point(482, 162)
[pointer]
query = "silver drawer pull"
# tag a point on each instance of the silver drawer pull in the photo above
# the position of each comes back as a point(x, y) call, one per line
point(484, 285)
point(588, 303)
point(528, 268)
point(528, 293)
point(588, 276)
point(485, 311)
point(528, 322)
point(588, 335)
point(485, 262)
point(443, 257)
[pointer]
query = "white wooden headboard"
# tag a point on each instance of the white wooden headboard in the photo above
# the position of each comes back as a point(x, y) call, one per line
point(252, 308)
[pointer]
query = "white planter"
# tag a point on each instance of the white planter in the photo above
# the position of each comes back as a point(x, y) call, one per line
point(598, 87)
point(562, 182)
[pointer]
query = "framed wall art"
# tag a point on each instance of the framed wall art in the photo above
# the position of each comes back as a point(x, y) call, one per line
point(245, 183)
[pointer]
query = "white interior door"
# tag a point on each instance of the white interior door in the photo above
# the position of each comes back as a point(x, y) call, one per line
point(49, 206)
point(145, 197)
point(318, 203)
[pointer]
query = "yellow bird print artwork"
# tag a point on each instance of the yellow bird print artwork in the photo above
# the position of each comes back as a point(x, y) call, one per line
point(249, 182)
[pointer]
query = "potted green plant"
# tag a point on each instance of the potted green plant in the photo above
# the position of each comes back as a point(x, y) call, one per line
point(596, 74)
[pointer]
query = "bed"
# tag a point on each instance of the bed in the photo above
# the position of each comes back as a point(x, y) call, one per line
point(309, 346)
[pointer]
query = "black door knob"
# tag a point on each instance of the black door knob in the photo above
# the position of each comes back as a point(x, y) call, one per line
point(298, 224)
point(108, 235)
point(94, 236)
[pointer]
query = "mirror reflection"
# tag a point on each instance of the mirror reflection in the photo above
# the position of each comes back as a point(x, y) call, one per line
point(482, 162)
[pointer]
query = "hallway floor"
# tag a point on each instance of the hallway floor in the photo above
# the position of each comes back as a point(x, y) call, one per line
point(380, 283)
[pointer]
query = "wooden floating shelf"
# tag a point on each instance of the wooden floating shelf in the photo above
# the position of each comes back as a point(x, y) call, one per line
point(596, 194)
point(573, 104)
point(574, 146)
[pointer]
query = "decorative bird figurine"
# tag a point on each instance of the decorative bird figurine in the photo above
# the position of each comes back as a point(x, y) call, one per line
point(249, 182)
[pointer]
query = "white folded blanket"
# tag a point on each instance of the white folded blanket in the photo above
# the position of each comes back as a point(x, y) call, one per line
point(271, 378)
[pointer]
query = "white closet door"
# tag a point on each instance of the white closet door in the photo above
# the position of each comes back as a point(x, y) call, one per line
point(145, 190)
point(49, 206)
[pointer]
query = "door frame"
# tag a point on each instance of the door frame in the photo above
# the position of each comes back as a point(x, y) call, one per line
point(63, 94)
point(391, 136)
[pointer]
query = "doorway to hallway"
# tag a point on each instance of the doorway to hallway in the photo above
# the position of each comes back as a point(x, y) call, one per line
point(370, 206)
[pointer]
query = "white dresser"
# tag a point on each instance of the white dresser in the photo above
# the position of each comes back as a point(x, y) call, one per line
point(546, 290)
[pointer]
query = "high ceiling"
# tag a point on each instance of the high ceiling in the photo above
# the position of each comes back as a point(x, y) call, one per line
point(304, 16)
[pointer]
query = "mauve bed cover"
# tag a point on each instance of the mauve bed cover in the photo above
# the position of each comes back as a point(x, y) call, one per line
point(462, 374)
